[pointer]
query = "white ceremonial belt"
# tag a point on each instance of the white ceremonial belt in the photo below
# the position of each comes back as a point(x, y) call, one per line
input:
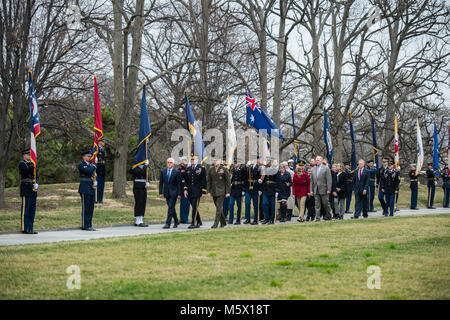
point(140, 180)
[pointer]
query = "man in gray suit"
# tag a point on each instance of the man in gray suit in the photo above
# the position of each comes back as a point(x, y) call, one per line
point(320, 187)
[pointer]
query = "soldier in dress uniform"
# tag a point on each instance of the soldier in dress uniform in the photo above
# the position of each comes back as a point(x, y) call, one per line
point(252, 187)
point(270, 183)
point(140, 185)
point(389, 186)
point(219, 188)
point(414, 185)
point(431, 177)
point(238, 178)
point(372, 169)
point(184, 201)
point(260, 195)
point(28, 192)
point(381, 196)
point(349, 186)
point(101, 170)
point(226, 200)
point(194, 189)
point(446, 185)
point(86, 190)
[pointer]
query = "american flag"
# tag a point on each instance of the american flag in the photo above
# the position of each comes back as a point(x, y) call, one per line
point(35, 124)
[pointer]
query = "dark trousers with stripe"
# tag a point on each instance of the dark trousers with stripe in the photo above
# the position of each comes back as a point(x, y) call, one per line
point(28, 211)
point(140, 201)
point(269, 207)
point(446, 197)
point(238, 201)
point(414, 193)
point(195, 202)
point(371, 197)
point(184, 209)
point(249, 198)
point(431, 191)
point(100, 188)
point(226, 206)
point(348, 201)
point(171, 213)
point(87, 210)
point(383, 197)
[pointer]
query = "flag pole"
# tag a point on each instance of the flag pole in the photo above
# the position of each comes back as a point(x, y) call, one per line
point(31, 115)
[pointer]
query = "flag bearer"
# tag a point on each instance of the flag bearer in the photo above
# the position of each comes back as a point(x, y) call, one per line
point(140, 185)
point(86, 190)
point(431, 177)
point(28, 192)
point(414, 185)
point(101, 170)
point(446, 185)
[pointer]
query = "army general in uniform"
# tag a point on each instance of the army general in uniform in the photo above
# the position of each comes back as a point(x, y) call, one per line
point(194, 189)
point(218, 188)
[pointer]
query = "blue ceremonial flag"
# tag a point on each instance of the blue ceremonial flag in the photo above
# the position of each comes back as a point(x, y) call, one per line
point(194, 130)
point(258, 119)
point(144, 133)
point(327, 137)
point(374, 141)
point(352, 135)
point(435, 152)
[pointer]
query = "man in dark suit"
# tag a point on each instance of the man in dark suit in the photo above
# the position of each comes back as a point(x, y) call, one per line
point(361, 178)
point(170, 188)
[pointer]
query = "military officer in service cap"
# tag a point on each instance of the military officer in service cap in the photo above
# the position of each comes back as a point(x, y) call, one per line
point(195, 189)
point(28, 192)
point(86, 190)
point(414, 185)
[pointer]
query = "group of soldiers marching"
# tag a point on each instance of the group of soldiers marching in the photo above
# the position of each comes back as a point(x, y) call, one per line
point(270, 191)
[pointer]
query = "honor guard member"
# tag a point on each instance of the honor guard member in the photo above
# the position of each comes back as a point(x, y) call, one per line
point(284, 188)
point(219, 188)
point(414, 185)
point(194, 189)
point(253, 173)
point(140, 185)
point(372, 169)
point(389, 185)
point(238, 178)
point(28, 192)
point(446, 185)
point(86, 190)
point(101, 170)
point(226, 200)
point(270, 184)
point(431, 177)
point(184, 201)
point(349, 186)
point(381, 196)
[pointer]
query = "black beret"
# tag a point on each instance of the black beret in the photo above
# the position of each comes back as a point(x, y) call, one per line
point(26, 151)
point(369, 161)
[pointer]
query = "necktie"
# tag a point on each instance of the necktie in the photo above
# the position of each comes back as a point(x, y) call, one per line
point(168, 174)
point(360, 174)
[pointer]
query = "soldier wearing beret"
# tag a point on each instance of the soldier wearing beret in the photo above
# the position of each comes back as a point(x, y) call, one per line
point(101, 170)
point(28, 192)
point(238, 178)
point(86, 190)
point(195, 188)
point(414, 185)
point(372, 169)
point(390, 185)
point(431, 177)
point(219, 188)
point(380, 176)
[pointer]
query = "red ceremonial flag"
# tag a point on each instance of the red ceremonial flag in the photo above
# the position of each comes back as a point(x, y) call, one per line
point(98, 127)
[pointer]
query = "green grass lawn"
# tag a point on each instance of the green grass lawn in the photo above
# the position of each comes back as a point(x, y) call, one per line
point(59, 206)
point(327, 260)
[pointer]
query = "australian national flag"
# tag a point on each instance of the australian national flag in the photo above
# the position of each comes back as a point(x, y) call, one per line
point(144, 133)
point(34, 121)
point(258, 119)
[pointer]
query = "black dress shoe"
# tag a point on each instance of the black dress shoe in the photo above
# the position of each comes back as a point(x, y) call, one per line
point(270, 222)
point(222, 225)
point(431, 208)
point(254, 223)
point(246, 221)
point(29, 232)
point(354, 217)
point(414, 208)
point(237, 223)
point(213, 227)
point(142, 224)
point(372, 210)
point(264, 221)
point(191, 226)
point(89, 229)
point(176, 225)
point(166, 226)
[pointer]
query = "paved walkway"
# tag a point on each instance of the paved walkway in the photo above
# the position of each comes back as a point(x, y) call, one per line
point(17, 238)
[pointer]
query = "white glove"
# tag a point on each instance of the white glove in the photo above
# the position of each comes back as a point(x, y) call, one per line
point(96, 160)
point(243, 193)
point(95, 183)
point(146, 162)
point(35, 186)
point(259, 181)
point(418, 182)
point(147, 184)
point(435, 183)
point(276, 194)
point(259, 192)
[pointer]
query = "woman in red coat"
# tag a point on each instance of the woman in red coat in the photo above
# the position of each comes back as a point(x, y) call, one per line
point(300, 189)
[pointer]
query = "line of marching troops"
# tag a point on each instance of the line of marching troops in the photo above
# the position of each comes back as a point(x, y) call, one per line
point(273, 190)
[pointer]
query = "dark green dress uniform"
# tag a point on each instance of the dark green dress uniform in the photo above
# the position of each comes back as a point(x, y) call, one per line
point(139, 174)
point(28, 195)
point(101, 173)
point(218, 187)
point(414, 186)
point(238, 179)
point(252, 173)
point(446, 186)
point(195, 186)
point(87, 193)
point(431, 178)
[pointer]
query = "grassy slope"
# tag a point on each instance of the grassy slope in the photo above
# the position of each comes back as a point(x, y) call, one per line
point(59, 206)
point(310, 261)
